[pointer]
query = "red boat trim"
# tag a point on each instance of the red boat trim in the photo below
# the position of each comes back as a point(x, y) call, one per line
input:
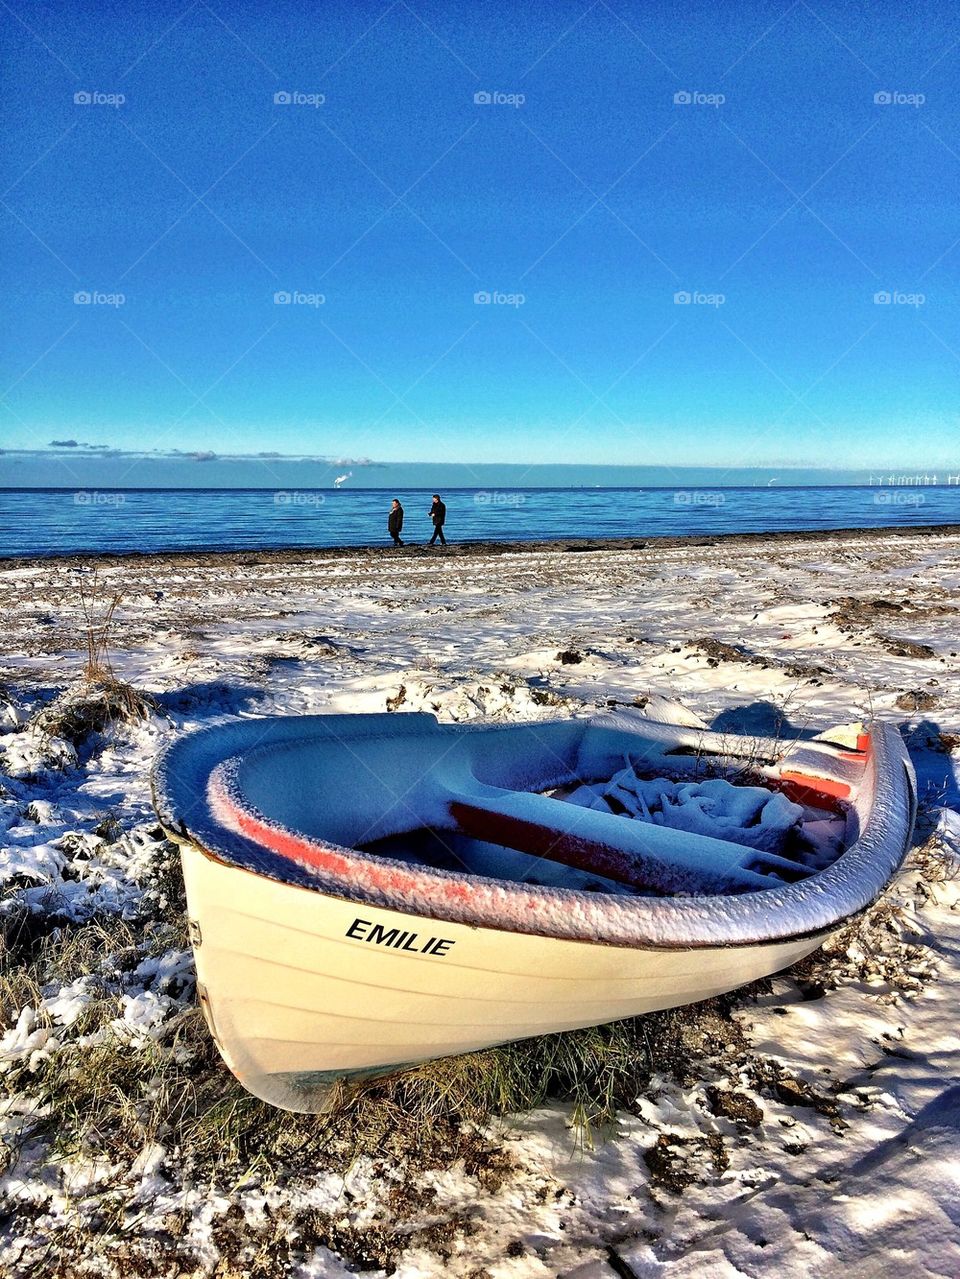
point(817, 792)
point(377, 876)
point(822, 785)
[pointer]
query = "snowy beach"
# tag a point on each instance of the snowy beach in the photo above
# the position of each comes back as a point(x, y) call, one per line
point(810, 1125)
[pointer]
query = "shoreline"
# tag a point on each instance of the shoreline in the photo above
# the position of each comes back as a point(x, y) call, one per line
point(281, 555)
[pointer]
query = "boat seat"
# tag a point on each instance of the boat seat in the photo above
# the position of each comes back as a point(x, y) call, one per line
point(636, 853)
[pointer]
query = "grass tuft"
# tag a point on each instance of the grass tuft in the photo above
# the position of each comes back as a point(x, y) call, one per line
point(100, 699)
point(92, 707)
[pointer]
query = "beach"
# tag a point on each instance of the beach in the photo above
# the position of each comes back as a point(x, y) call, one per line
point(815, 1126)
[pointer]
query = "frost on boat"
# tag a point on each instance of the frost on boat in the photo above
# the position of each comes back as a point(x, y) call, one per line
point(367, 891)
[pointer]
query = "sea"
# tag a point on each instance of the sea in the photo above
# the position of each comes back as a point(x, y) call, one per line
point(46, 522)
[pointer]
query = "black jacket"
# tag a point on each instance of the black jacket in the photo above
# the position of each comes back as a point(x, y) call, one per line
point(395, 520)
point(438, 513)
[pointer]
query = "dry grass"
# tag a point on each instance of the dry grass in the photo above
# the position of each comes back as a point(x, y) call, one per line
point(100, 699)
point(98, 605)
point(936, 860)
point(92, 708)
point(885, 946)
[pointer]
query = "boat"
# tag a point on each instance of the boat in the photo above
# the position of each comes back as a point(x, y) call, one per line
point(366, 892)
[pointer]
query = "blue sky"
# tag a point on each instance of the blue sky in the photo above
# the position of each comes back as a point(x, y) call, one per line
point(382, 198)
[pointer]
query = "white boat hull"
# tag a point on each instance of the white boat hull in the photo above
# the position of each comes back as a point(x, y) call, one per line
point(295, 1001)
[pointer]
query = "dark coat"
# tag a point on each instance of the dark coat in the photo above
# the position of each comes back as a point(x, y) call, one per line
point(438, 513)
point(395, 519)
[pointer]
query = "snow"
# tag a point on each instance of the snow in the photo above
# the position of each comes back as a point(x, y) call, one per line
point(34, 755)
point(40, 862)
point(883, 1192)
point(69, 1001)
point(749, 815)
point(865, 1189)
point(26, 1040)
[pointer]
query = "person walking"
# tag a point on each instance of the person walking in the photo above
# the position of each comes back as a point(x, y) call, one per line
point(395, 522)
point(438, 513)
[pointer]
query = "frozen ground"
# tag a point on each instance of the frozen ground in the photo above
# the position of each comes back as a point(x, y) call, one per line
point(820, 1131)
